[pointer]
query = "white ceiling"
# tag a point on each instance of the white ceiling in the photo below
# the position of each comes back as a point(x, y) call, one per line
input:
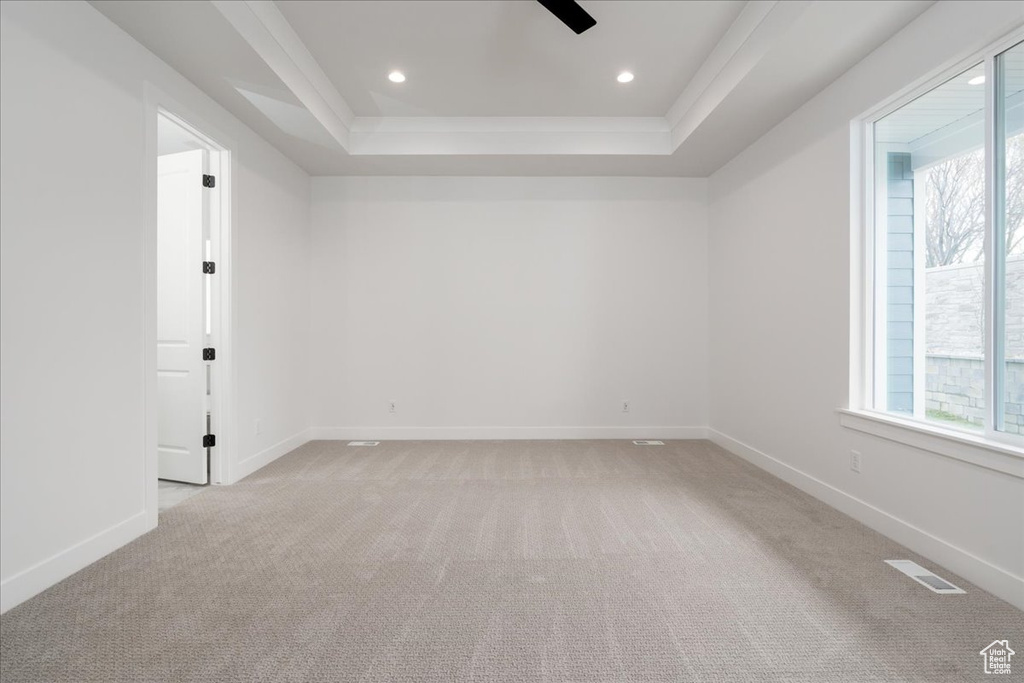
point(508, 58)
point(502, 87)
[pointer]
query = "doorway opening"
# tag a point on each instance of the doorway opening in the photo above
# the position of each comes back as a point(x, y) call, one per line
point(189, 206)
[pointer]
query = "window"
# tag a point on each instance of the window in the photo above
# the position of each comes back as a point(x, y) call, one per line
point(1008, 231)
point(945, 188)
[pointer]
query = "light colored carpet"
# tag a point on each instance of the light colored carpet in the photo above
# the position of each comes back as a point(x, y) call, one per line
point(504, 561)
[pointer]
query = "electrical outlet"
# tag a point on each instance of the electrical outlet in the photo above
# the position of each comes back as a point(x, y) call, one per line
point(625, 406)
point(259, 426)
point(391, 407)
point(855, 461)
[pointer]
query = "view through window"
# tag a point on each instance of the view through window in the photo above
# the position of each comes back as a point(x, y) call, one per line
point(933, 218)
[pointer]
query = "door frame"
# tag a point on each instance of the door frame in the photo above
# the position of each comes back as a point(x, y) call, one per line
point(222, 163)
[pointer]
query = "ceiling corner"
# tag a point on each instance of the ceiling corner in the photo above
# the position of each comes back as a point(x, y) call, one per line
point(261, 24)
point(760, 25)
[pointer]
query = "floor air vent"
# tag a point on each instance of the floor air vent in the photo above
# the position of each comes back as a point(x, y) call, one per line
point(924, 577)
point(363, 443)
point(648, 443)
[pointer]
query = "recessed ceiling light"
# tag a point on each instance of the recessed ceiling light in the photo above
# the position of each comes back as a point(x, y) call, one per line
point(396, 77)
point(624, 77)
point(977, 80)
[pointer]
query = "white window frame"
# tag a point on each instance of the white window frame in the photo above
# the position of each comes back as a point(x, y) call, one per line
point(992, 449)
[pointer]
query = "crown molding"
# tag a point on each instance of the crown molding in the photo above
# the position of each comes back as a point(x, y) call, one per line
point(261, 24)
point(509, 135)
point(510, 124)
point(759, 26)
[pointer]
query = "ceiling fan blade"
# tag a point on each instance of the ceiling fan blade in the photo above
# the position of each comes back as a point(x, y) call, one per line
point(571, 14)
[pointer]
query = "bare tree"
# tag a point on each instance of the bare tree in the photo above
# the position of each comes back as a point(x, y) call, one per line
point(955, 206)
point(955, 210)
point(1015, 195)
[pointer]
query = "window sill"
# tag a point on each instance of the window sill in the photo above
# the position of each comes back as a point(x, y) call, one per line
point(976, 450)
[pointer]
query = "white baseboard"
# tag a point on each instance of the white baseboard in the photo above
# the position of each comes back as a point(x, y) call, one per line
point(37, 578)
point(268, 455)
point(987, 576)
point(503, 433)
point(25, 584)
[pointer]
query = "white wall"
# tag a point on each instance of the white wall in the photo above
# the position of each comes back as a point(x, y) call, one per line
point(272, 252)
point(509, 307)
point(483, 306)
point(72, 414)
point(780, 321)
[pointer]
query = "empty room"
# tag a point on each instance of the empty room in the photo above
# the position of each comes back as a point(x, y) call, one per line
point(511, 340)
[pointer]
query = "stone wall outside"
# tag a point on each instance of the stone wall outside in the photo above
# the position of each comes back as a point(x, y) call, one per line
point(954, 386)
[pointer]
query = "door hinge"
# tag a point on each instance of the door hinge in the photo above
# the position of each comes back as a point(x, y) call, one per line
point(209, 181)
point(210, 353)
point(209, 267)
point(209, 440)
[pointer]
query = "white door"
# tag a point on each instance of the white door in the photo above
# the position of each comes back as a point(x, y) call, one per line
point(181, 371)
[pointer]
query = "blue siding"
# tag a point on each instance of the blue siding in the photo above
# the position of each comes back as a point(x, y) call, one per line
point(900, 275)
